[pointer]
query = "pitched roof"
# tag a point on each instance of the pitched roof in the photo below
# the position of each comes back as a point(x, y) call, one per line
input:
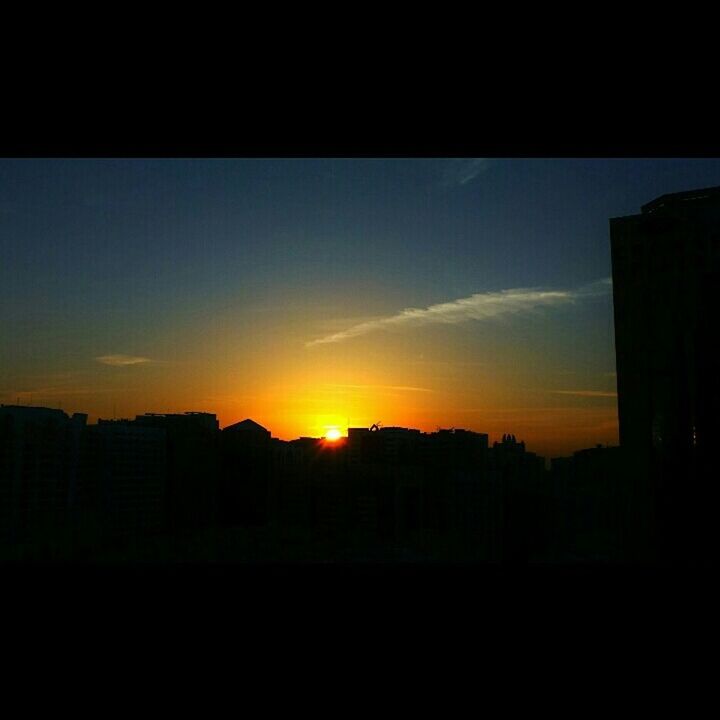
point(247, 424)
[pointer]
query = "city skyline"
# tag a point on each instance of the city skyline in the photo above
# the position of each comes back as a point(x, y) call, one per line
point(313, 294)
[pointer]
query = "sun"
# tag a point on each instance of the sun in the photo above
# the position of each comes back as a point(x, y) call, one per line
point(332, 434)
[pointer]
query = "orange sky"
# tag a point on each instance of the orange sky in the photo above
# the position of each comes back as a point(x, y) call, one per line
point(429, 379)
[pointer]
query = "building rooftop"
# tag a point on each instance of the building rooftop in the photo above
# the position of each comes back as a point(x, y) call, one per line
point(247, 424)
point(34, 411)
point(711, 194)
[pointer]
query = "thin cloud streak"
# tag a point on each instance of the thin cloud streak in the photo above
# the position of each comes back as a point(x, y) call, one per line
point(523, 411)
point(461, 171)
point(586, 393)
point(399, 388)
point(481, 306)
point(53, 392)
point(120, 360)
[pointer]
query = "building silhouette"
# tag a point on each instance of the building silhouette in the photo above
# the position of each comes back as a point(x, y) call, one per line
point(40, 464)
point(517, 476)
point(190, 496)
point(589, 519)
point(175, 486)
point(125, 479)
point(244, 492)
point(666, 274)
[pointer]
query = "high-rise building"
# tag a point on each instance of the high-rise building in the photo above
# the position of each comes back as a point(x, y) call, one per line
point(666, 275)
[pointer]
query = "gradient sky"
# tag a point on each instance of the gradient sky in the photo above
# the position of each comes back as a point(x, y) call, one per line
point(281, 290)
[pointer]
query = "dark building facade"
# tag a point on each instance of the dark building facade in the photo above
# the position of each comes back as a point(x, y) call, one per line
point(589, 521)
point(175, 487)
point(666, 274)
point(192, 457)
point(428, 496)
point(246, 460)
point(518, 477)
point(40, 462)
point(126, 482)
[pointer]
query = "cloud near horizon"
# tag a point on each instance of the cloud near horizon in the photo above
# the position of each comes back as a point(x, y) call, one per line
point(481, 306)
point(119, 360)
point(397, 388)
point(586, 393)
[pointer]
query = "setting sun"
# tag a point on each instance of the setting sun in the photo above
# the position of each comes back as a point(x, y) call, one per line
point(332, 434)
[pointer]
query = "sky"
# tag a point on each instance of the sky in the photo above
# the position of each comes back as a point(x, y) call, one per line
point(311, 293)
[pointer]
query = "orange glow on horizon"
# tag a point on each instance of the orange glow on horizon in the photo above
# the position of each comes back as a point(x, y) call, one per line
point(298, 393)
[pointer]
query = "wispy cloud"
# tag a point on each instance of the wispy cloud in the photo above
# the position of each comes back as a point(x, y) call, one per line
point(395, 388)
point(117, 360)
point(586, 393)
point(47, 393)
point(461, 171)
point(526, 411)
point(481, 306)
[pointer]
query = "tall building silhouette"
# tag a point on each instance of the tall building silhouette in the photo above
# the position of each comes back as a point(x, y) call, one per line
point(40, 451)
point(666, 273)
point(191, 458)
point(244, 492)
point(127, 464)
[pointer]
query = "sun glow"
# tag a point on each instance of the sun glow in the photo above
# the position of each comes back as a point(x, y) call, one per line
point(332, 434)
